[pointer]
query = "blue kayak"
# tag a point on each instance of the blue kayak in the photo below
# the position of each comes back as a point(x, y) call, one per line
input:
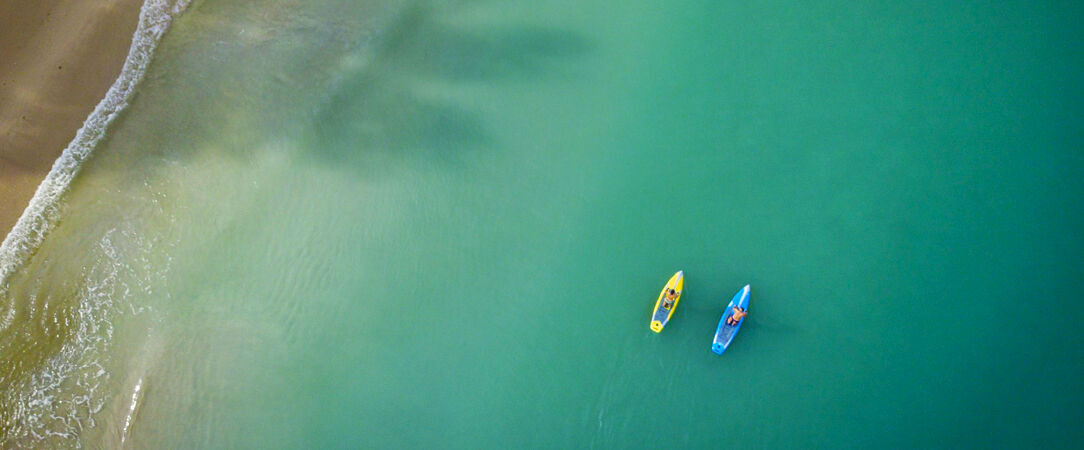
point(725, 332)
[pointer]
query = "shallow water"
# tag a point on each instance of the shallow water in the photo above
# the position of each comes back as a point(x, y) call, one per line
point(444, 224)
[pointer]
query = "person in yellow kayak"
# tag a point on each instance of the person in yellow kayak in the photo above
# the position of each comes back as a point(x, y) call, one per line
point(669, 298)
point(739, 313)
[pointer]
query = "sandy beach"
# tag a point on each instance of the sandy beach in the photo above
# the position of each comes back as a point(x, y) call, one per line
point(57, 60)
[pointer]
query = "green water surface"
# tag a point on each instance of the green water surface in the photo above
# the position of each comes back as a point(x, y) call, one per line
point(444, 224)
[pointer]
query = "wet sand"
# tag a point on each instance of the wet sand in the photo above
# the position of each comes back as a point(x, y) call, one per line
point(58, 58)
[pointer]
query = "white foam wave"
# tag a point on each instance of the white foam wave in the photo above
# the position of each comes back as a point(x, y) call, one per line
point(131, 412)
point(60, 399)
point(42, 213)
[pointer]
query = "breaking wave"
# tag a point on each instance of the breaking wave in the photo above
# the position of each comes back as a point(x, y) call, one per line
point(52, 398)
point(42, 213)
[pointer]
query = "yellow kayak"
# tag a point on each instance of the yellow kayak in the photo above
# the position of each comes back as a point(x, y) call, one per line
point(664, 309)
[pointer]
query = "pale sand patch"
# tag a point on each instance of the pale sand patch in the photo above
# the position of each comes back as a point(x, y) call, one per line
point(58, 58)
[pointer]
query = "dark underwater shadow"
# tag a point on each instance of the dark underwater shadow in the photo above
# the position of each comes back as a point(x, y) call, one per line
point(386, 106)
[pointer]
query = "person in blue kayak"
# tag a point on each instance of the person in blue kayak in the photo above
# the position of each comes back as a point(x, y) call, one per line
point(669, 298)
point(739, 313)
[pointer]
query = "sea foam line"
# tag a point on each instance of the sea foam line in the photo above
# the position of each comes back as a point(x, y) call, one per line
point(42, 213)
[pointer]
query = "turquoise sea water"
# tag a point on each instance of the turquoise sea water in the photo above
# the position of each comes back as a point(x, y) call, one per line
point(444, 224)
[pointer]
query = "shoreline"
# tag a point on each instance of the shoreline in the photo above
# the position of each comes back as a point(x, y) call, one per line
point(60, 58)
point(41, 212)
